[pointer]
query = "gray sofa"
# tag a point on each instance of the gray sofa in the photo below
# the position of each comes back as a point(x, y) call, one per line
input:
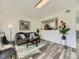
point(19, 40)
point(26, 39)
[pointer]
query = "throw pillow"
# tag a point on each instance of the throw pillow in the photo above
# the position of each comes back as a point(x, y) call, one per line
point(32, 36)
point(23, 36)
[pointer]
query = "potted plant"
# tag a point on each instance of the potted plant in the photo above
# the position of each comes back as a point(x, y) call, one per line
point(63, 29)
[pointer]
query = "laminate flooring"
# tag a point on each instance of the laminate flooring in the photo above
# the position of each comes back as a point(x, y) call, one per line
point(55, 51)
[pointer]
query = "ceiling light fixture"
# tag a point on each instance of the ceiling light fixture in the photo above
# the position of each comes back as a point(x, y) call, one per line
point(41, 3)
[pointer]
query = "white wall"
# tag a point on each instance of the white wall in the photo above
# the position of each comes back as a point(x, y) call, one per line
point(77, 27)
point(55, 36)
point(6, 20)
point(77, 20)
point(8, 15)
point(13, 11)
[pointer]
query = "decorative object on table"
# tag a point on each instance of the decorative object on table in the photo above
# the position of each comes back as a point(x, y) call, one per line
point(50, 24)
point(38, 34)
point(37, 31)
point(47, 27)
point(24, 25)
point(63, 29)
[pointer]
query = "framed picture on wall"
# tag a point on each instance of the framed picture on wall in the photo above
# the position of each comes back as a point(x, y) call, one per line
point(24, 25)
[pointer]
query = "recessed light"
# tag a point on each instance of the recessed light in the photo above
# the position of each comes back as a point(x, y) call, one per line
point(41, 3)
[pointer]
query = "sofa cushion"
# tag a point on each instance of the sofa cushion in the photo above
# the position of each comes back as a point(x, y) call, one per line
point(32, 36)
point(23, 36)
point(27, 34)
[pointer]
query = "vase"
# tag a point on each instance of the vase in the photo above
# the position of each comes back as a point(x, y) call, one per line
point(64, 38)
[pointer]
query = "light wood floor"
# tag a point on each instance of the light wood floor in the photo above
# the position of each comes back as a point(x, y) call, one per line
point(45, 50)
point(54, 51)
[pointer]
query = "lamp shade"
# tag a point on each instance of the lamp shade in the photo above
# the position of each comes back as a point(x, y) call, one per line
point(10, 25)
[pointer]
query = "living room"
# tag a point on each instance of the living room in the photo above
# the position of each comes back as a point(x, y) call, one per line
point(15, 13)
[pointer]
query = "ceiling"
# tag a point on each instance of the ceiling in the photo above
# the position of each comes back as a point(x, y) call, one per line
point(26, 7)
